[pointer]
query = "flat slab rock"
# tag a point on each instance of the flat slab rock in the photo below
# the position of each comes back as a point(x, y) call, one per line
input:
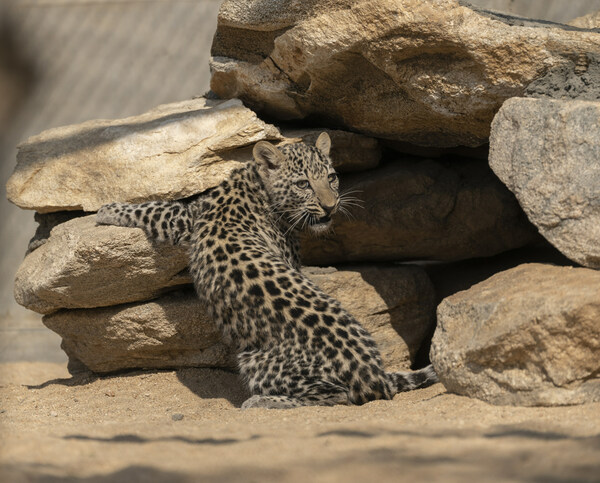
point(528, 336)
point(396, 304)
point(169, 332)
point(173, 151)
point(429, 72)
point(547, 153)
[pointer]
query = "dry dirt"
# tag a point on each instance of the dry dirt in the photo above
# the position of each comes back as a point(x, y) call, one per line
point(177, 426)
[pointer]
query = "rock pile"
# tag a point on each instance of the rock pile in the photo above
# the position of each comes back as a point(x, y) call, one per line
point(399, 85)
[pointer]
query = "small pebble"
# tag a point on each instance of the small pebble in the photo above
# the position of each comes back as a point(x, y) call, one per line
point(110, 393)
point(53, 414)
point(177, 417)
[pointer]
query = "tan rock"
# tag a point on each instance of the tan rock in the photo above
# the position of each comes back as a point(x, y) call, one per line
point(172, 331)
point(83, 265)
point(590, 21)
point(528, 336)
point(546, 152)
point(396, 304)
point(170, 152)
point(423, 210)
point(430, 72)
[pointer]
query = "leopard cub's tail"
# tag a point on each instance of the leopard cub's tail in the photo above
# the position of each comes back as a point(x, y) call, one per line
point(407, 381)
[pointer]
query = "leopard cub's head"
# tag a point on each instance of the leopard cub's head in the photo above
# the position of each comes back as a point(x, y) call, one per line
point(301, 182)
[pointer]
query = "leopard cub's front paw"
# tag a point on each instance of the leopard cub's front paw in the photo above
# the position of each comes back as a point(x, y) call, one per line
point(111, 214)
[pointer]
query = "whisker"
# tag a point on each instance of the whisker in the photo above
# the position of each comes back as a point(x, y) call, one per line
point(351, 198)
point(350, 192)
point(346, 213)
point(351, 203)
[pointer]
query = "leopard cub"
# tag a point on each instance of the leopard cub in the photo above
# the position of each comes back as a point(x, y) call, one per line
point(295, 344)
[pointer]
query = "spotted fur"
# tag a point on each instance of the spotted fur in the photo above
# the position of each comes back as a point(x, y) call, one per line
point(295, 344)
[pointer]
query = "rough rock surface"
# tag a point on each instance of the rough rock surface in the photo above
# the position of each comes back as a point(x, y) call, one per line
point(428, 72)
point(172, 331)
point(424, 210)
point(591, 21)
point(170, 152)
point(396, 304)
point(527, 336)
point(574, 79)
point(547, 153)
point(84, 265)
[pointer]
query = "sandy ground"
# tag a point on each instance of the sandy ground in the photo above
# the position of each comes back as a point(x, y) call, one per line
point(177, 426)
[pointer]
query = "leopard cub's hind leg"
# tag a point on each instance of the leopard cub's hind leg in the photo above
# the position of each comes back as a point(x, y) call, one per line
point(271, 402)
point(319, 393)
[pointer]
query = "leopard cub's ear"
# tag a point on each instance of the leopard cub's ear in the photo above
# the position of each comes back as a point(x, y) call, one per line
point(323, 143)
point(267, 155)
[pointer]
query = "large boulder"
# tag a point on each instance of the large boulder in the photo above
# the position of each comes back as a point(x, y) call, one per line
point(396, 304)
point(547, 152)
point(430, 72)
point(527, 336)
point(423, 209)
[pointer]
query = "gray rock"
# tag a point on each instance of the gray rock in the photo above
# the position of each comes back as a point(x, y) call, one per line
point(574, 79)
point(429, 72)
point(396, 304)
point(546, 152)
point(528, 336)
point(423, 209)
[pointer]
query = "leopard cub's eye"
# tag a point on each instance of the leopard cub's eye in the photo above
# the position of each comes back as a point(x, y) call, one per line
point(332, 177)
point(302, 184)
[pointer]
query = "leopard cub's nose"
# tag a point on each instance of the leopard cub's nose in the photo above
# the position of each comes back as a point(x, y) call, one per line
point(328, 209)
